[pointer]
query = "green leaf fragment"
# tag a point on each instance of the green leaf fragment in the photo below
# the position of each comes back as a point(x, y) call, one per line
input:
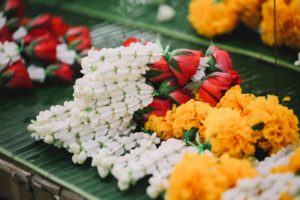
point(258, 127)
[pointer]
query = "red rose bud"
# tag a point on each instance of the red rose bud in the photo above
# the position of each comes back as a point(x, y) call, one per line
point(159, 107)
point(16, 7)
point(159, 71)
point(58, 26)
point(216, 85)
point(184, 64)
point(166, 87)
point(128, 41)
point(41, 21)
point(18, 76)
point(236, 76)
point(180, 96)
point(43, 48)
point(62, 71)
point(79, 37)
point(5, 34)
point(223, 60)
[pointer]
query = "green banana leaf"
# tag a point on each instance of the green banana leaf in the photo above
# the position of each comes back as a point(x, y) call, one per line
point(111, 22)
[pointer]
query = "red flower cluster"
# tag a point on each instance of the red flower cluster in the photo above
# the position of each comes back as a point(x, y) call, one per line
point(182, 73)
point(43, 48)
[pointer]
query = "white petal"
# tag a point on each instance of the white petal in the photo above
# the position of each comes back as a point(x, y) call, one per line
point(36, 73)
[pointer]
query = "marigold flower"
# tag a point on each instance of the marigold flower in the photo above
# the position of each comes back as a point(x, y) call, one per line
point(206, 177)
point(287, 24)
point(228, 132)
point(249, 10)
point(280, 125)
point(163, 129)
point(234, 98)
point(188, 115)
point(211, 18)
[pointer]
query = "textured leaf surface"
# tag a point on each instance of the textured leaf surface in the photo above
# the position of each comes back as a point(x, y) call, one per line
point(17, 109)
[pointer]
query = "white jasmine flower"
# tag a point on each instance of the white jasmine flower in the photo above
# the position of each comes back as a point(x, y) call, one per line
point(4, 61)
point(11, 49)
point(2, 20)
point(64, 54)
point(81, 157)
point(9, 53)
point(165, 13)
point(36, 73)
point(200, 73)
point(20, 33)
point(297, 62)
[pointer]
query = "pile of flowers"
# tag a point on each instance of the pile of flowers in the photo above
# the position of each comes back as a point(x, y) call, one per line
point(39, 49)
point(222, 17)
point(178, 117)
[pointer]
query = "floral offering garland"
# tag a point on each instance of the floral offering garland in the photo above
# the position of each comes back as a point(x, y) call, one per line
point(223, 16)
point(33, 51)
point(178, 117)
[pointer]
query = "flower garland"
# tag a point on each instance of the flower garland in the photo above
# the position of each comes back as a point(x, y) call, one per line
point(222, 17)
point(239, 125)
point(121, 117)
point(33, 51)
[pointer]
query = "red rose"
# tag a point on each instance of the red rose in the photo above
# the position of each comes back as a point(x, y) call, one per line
point(18, 76)
point(64, 72)
point(216, 85)
point(24, 21)
point(223, 60)
point(184, 64)
point(43, 48)
point(5, 34)
point(159, 107)
point(41, 21)
point(36, 33)
point(128, 41)
point(58, 26)
point(80, 36)
point(180, 96)
point(38, 27)
point(15, 6)
point(159, 71)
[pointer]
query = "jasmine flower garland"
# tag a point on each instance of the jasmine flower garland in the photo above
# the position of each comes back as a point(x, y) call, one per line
point(105, 98)
point(280, 158)
point(265, 187)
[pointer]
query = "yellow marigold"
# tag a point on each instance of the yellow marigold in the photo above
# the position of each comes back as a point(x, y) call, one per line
point(184, 117)
point(250, 11)
point(228, 132)
point(292, 166)
point(287, 24)
point(234, 169)
point(279, 124)
point(206, 177)
point(159, 125)
point(211, 18)
point(197, 177)
point(190, 115)
point(234, 98)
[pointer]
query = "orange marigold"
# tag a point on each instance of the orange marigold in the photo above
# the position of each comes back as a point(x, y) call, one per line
point(228, 132)
point(249, 10)
point(287, 24)
point(234, 98)
point(188, 115)
point(206, 177)
point(159, 125)
point(211, 18)
point(280, 125)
